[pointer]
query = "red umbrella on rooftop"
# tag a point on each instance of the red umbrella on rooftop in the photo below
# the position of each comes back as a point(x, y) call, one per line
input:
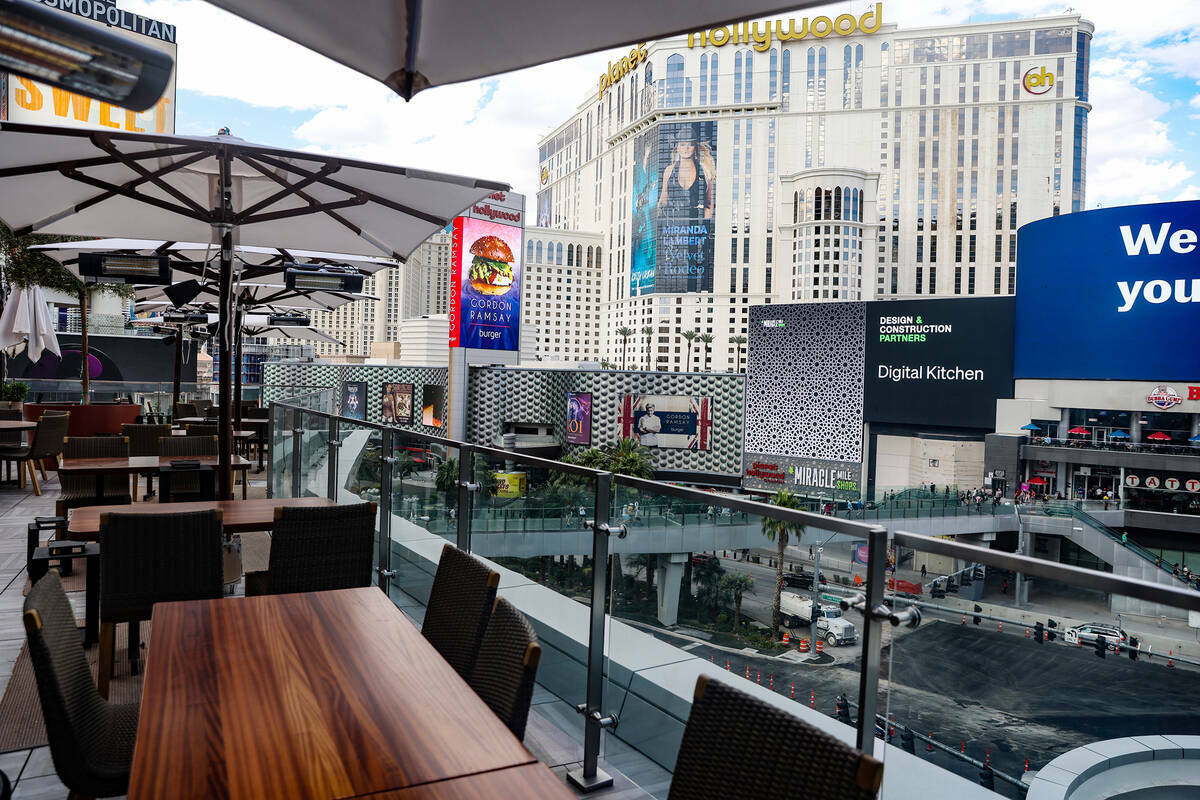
point(1037, 481)
point(1159, 436)
point(1079, 430)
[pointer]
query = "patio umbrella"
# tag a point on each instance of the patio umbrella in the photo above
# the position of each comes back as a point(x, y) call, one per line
point(1079, 431)
point(1159, 436)
point(1119, 435)
point(1030, 427)
point(414, 45)
point(179, 188)
point(1195, 438)
point(1037, 481)
point(25, 322)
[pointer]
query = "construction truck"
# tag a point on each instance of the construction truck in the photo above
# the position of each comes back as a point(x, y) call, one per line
point(831, 625)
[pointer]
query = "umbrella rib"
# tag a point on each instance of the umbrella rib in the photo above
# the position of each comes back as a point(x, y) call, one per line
point(288, 190)
point(127, 191)
point(383, 201)
point(105, 143)
point(301, 212)
point(98, 161)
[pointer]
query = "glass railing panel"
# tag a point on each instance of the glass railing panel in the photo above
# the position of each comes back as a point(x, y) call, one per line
point(280, 450)
point(1004, 684)
point(360, 458)
point(424, 509)
point(530, 519)
point(693, 591)
point(314, 454)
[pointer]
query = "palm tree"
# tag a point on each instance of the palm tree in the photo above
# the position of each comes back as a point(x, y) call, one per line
point(629, 457)
point(707, 573)
point(778, 531)
point(624, 333)
point(648, 332)
point(707, 338)
point(689, 337)
point(738, 340)
point(737, 584)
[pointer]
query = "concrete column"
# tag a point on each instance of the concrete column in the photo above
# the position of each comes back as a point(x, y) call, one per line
point(1064, 423)
point(1135, 426)
point(1063, 475)
point(669, 575)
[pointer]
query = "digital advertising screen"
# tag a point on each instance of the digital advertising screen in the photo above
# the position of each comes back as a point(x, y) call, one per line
point(938, 362)
point(354, 399)
point(433, 399)
point(136, 359)
point(543, 209)
point(1123, 277)
point(510, 485)
point(579, 418)
point(396, 404)
point(485, 290)
point(674, 202)
point(667, 421)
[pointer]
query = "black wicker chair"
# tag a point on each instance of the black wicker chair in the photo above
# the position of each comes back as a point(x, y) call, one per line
point(460, 603)
point(153, 558)
point(91, 740)
point(182, 410)
point(143, 441)
point(185, 486)
point(46, 442)
point(318, 549)
point(194, 429)
point(507, 666)
point(10, 443)
point(80, 490)
point(737, 746)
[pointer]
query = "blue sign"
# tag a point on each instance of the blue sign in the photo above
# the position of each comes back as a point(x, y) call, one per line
point(1110, 294)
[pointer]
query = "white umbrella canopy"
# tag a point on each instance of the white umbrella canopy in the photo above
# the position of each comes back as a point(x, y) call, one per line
point(26, 323)
point(73, 181)
point(466, 39)
point(254, 295)
point(259, 325)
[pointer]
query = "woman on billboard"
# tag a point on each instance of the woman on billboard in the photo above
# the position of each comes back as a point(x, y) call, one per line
point(645, 198)
point(686, 209)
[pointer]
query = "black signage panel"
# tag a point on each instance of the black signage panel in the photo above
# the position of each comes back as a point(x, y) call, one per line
point(939, 361)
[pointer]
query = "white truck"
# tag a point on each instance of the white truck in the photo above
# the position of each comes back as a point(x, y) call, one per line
point(831, 625)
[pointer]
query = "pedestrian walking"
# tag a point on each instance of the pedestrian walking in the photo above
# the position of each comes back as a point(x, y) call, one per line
point(1004, 587)
point(922, 572)
point(810, 553)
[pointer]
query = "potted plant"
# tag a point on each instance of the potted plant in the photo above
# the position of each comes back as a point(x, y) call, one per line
point(12, 394)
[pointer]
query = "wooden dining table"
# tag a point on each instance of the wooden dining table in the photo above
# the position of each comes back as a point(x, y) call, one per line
point(128, 465)
point(316, 695)
point(237, 516)
point(259, 424)
point(16, 425)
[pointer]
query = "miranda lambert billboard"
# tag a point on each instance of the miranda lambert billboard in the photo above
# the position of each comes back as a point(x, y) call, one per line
point(674, 200)
point(485, 289)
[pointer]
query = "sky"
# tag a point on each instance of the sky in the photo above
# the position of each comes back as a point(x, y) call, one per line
point(1142, 142)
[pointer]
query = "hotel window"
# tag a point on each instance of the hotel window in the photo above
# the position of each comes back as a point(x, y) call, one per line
point(529, 250)
point(733, 251)
point(675, 81)
point(971, 280)
point(748, 76)
point(920, 279)
point(933, 280)
point(958, 280)
point(704, 79)
point(774, 75)
point(996, 284)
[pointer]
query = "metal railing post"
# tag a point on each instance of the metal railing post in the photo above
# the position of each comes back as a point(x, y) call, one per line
point(271, 441)
point(331, 467)
point(873, 613)
point(466, 473)
point(297, 434)
point(590, 777)
point(384, 569)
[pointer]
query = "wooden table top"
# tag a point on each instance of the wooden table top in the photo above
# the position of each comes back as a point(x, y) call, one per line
point(132, 464)
point(16, 425)
point(529, 782)
point(253, 421)
point(236, 434)
point(237, 516)
point(315, 695)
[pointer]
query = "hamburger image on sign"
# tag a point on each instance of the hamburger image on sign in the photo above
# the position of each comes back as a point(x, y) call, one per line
point(491, 268)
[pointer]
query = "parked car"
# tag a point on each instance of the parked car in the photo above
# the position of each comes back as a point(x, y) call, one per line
point(1088, 632)
point(702, 558)
point(801, 579)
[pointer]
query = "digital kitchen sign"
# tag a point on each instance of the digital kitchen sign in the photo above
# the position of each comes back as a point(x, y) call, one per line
point(939, 362)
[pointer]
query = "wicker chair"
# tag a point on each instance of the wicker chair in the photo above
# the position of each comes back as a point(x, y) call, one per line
point(507, 666)
point(80, 490)
point(202, 407)
point(201, 429)
point(10, 442)
point(183, 485)
point(460, 603)
point(184, 410)
point(47, 442)
point(153, 558)
point(91, 740)
point(737, 746)
point(317, 549)
point(143, 441)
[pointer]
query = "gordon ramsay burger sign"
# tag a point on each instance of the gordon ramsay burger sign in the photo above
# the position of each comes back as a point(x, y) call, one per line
point(485, 287)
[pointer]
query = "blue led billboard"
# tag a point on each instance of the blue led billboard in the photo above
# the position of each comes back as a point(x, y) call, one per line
point(1110, 294)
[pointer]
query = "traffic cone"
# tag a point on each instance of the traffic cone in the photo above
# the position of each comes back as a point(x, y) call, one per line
point(963, 747)
point(929, 744)
point(747, 672)
point(727, 665)
point(1027, 633)
point(787, 639)
point(758, 676)
point(812, 699)
point(988, 758)
point(1170, 658)
point(1027, 765)
point(803, 644)
point(1000, 628)
point(772, 684)
point(793, 690)
point(820, 646)
point(891, 727)
point(964, 622)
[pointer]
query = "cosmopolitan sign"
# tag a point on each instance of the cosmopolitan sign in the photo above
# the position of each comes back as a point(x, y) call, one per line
point(1128, 275)
point(759, 35)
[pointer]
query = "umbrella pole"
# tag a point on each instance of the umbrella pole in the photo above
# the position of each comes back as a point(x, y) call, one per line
point(83, 345)
point(178, 367)
point(239, 321)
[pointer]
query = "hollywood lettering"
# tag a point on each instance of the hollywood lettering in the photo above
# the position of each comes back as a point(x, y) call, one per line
point(485, 210)
point(621, 68)
point(766, 472)
point(759, 34)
